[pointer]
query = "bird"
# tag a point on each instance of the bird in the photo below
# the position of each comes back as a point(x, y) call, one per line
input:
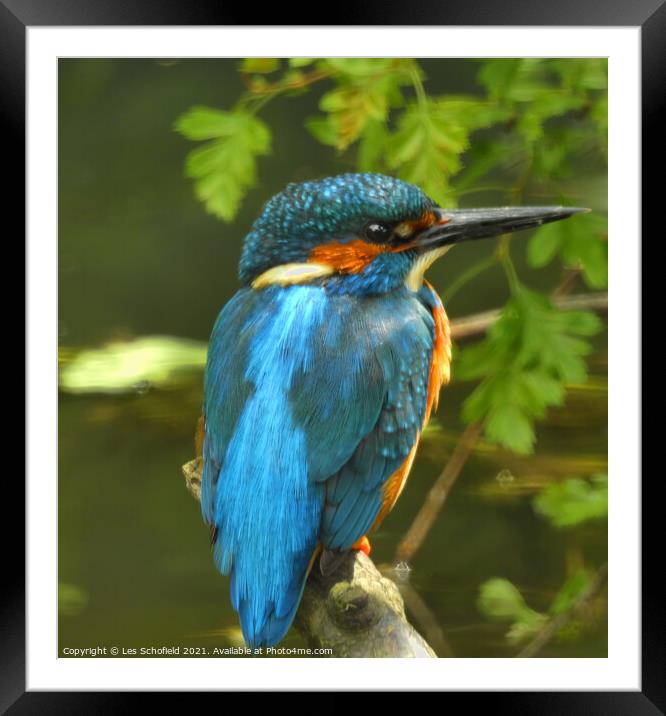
point(322, 372)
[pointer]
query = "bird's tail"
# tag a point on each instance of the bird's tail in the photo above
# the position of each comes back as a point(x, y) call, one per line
point(265, 619)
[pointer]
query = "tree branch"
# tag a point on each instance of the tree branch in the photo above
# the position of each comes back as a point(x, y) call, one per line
point(480, 322)
point(436, 498)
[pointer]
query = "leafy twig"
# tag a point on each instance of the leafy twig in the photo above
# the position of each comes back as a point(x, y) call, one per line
point(551, 628)
point(285, 86)
point(436, 498)
point(480, 322)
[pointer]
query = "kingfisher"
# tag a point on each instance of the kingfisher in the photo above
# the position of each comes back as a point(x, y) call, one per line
point(322, 372)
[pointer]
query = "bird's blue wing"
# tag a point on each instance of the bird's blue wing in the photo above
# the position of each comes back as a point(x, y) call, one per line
point(373, 365)
point(311, 403)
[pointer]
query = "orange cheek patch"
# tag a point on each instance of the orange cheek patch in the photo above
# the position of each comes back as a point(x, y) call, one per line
point(354, 256)
point(425, 221)
point(351, 257)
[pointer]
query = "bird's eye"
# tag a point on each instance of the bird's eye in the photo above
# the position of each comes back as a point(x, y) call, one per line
point(376, 231)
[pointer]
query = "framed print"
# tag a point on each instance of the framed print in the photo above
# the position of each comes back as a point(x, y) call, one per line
point(258, 430)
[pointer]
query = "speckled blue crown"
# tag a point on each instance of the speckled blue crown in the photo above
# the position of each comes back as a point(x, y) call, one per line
point(304, 215)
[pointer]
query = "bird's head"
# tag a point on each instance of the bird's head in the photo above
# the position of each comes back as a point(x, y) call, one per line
point(366, 233)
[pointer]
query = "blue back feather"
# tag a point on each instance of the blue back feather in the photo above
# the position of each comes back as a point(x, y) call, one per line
point(312, 400)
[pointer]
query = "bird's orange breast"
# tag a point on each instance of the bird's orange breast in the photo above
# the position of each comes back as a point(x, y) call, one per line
point(440, 364)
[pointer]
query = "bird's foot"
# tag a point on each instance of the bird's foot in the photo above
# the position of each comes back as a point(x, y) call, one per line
point(363, 545)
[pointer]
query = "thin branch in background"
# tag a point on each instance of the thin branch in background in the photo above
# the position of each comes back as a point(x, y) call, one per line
point(554, 625)
point(570, 276)
point(436, 498)
point(281, 86)
point(480, 322)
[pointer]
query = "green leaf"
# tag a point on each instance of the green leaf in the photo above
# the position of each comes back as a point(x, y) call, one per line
point(527, 627)
point(580, 74)
point(206, 123)
point(72, 600)
point(544, 244)
point(545, 105)
point(500, 600)
point(524, 363)
point(508, 425)
point(225, 167)
point(364, 93)
point(362, 67)
point(599, 115)
point(260, 65)
point(295, 78)
point(300, 61)
point(574, 501)
point(322, 129)
point(371, 147)
point(555, 154)
point(510, 80)
point(558, 107)
point(582, 323)
point(570, 592)
point(483, 156)
point(431, 137)
point(580, 241)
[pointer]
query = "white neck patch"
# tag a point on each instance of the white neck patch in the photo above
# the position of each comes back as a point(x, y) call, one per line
point(414, 279)
point(289, 274)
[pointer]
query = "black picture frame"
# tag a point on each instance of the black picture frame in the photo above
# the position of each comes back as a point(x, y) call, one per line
point(17, 15)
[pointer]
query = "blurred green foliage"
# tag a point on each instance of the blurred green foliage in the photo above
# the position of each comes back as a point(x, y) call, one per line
point(574, 501)
point(568, 503)
point(530, 123)
point(500, 600)
point(72, 600)
point(528, 357)
point(578, 243)
point(131, 366)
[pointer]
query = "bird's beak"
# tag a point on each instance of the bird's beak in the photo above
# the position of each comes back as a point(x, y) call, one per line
point(455, 225)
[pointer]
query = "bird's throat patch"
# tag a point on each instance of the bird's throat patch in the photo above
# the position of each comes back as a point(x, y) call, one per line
point(414, 279)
